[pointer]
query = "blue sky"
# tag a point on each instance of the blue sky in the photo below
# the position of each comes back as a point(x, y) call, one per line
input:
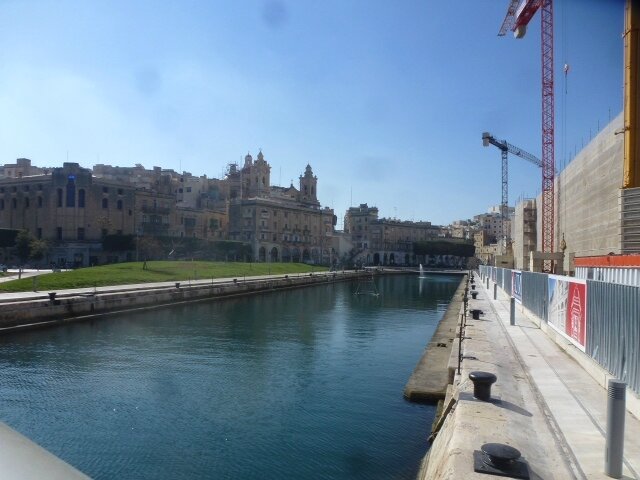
point(387, 100)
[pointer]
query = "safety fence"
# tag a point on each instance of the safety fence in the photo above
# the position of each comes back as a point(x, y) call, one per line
point(601, 319)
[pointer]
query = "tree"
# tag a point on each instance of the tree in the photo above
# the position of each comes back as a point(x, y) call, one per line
point(39, 249)
point(443, 247)
point(149, 248)
point(23, 245)
point(118, 243)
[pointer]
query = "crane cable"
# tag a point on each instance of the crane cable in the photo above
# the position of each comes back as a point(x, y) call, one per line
point(562, 175)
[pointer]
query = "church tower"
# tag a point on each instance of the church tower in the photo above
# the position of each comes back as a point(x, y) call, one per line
point(258, 177)
point(309, 187)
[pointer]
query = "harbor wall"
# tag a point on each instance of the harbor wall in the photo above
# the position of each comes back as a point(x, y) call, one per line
point(41, 309)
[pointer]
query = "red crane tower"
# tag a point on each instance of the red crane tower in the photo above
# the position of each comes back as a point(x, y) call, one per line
point(516, 20)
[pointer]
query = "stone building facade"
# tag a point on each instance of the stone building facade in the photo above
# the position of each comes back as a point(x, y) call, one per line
point(281, 224)
point(75, 208)
point(385, 241)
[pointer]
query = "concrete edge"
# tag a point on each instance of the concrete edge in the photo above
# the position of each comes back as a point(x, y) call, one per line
point(413, 391)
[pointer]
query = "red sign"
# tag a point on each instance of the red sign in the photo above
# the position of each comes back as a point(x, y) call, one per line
point(576, 312)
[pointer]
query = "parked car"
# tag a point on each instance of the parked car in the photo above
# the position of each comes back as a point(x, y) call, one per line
point(3, 267)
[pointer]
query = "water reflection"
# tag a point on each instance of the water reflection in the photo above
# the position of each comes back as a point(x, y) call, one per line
point(309, 381)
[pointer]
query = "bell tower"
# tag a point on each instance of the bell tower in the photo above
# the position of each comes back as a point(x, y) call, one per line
point(309, 187)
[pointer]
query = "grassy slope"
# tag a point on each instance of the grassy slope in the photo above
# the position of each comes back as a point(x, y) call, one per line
point(127, 273)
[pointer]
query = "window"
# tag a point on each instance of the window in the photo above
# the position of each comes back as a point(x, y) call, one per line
point(14, 203)
point(71, 191)
point(105, 189)
point(39, 202)
point(81, 198)
point(26, 202)
point(188, 189)
point(105, 203)
point(40, 187)
point(59, 233)
point(25, 188)
point(119, 191)
point(59, 195)
point(80, 233)
point(119, 204)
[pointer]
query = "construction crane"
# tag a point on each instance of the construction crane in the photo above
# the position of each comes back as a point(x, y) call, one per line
point(516, 20)
point(506, 148)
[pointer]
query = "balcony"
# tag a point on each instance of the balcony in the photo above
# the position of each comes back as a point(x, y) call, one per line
point(156, 210)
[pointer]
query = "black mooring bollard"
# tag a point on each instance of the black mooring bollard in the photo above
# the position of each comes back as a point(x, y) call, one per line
point(474, 295)
point(482, 382)
point(495, 291)
point(614, 446)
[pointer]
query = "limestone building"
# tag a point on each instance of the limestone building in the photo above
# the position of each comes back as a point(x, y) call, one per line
point(281, 224)
point(385, 241)
point(69, 208)
point(76, 208)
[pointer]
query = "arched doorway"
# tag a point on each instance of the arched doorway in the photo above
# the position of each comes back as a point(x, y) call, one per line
point(286, 254)
point(274, 254)
point(392, 259)
point(306, 256)
point(295, 255)
point(262, 254)
point(406, 259)
point(384, 259)
point(376, 258)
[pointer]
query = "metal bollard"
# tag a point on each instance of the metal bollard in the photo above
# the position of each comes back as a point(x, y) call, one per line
point(512, 312)
point(487, 279)
point(495, 291)
point(614, 446)
point(482, 382)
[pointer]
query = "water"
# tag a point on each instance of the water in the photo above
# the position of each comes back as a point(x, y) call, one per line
point(302, 384)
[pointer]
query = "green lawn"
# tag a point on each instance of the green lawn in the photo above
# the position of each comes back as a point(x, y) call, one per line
point(126, 273)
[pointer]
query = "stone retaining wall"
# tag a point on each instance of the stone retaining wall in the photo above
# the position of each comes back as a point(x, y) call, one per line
point(42, 310)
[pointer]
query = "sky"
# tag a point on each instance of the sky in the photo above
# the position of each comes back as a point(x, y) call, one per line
point(386, 100)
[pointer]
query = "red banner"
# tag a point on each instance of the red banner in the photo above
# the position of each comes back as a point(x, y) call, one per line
point(576, 312)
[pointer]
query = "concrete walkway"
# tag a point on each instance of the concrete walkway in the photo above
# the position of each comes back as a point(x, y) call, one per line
point(574, 402)
point(43, 294)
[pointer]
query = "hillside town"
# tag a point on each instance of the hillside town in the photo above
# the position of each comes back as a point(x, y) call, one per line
point(110, 214)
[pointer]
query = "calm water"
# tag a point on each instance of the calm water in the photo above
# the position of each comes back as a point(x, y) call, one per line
point(305, 384)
